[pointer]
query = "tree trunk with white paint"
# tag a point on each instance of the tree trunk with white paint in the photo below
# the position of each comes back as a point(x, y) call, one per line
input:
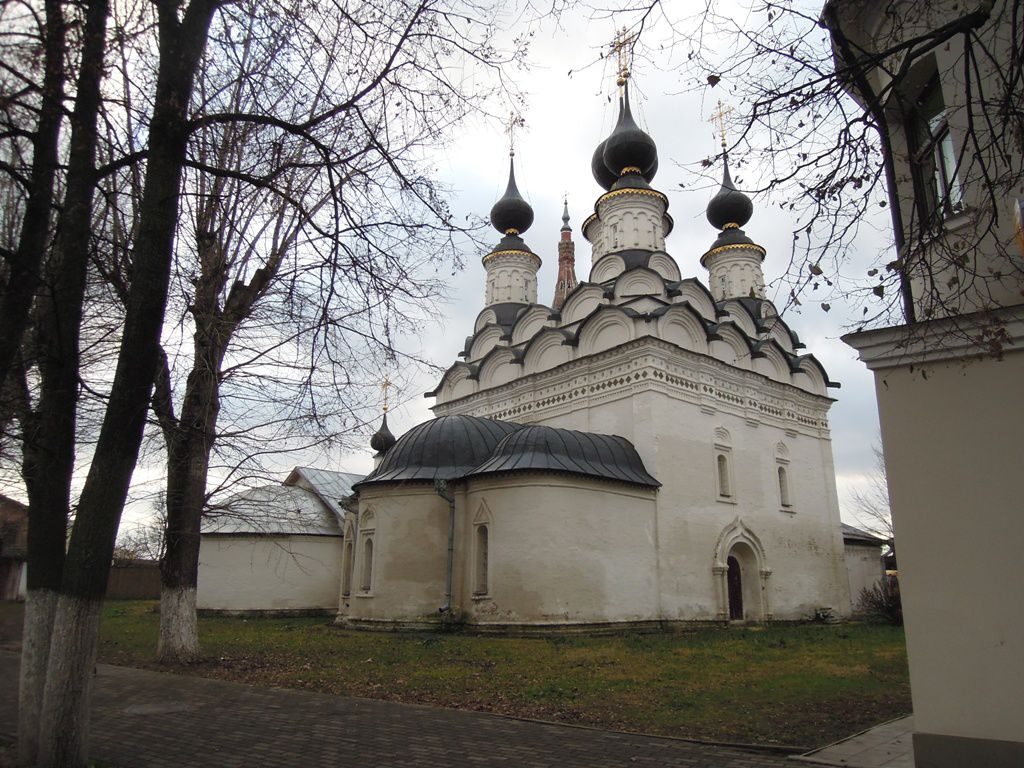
point(188, 461)
point(179, 630)
point(64, 721)
point(49, 432)
point(190, 440)
point(40, 607)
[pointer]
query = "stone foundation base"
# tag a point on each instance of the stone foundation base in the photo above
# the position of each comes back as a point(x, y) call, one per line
point(530, 630)
point(270, 613)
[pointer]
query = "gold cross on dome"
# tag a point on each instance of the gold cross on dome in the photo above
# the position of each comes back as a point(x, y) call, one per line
point(384, 388)
point(622, 47)
point(718, 116)
point(514, 122)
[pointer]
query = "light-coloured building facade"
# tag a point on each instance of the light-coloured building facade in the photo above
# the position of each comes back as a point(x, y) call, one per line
point(275, 549)
point(721, 502)
point(949, 385)
point(865, 566)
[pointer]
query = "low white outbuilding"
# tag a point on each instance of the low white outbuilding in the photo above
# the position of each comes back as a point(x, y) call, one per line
point(864, 563)
point(277, 548)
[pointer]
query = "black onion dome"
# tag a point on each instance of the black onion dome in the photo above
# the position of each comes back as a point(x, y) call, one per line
point(549, 449)
point(382, 439)
point(602, 175)
point(440, 449)
point(511, 214)
point(729, 206)
point(628, 146)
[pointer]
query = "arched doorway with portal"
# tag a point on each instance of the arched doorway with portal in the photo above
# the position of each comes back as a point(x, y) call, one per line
point(734, 583)
point(742, 575)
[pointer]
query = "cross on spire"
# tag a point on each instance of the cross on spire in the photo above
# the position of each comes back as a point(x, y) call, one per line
point(718, 116)
point(514, 121)
point(384, 388)
point(622, 47)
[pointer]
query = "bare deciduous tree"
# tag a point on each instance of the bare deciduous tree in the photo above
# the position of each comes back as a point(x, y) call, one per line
point(394, 66)
point(871, 501)
point(830, 159)
point(309, 235)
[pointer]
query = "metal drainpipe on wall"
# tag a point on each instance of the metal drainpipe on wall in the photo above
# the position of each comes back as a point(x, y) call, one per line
point(441, 487)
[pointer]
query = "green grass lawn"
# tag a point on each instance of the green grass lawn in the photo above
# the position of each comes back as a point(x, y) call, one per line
point(797, 685)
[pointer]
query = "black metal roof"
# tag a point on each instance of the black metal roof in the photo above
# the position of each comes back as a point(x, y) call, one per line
point(549, 449)
point(440, 449)
point(451, 447)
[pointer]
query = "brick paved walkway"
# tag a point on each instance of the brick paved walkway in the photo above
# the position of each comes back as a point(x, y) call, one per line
point(143, 718)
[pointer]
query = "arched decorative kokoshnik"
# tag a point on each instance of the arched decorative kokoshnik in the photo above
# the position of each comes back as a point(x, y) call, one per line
point(737, 538)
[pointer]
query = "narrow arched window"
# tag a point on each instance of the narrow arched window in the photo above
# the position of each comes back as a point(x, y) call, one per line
point(481, 560)
point(367, 564)
point(723, 476)
point(346, 573)
point(784, 487)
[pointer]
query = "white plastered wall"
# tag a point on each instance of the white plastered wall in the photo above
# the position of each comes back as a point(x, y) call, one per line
point(239, 572)
point(953, 459)
point(595, 540)
point(410, 545)
point(802, 545)
point(864, 567)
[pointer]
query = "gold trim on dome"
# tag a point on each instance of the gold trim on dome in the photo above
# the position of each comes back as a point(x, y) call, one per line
point(511, 231)
point(731, 225)
point(509, 252)
point(628, 191)
point(735, 247)
point(629, 169)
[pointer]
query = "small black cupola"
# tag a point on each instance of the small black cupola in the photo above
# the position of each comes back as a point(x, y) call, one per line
point(511, 215)
point(382, 439)
point(730, 208)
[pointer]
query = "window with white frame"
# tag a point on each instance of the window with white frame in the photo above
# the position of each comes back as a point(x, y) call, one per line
point(934, 158)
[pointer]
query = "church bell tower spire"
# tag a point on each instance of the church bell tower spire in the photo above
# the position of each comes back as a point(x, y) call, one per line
point(566, 261)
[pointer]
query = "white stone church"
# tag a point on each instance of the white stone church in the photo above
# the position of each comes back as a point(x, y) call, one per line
point(647, 449)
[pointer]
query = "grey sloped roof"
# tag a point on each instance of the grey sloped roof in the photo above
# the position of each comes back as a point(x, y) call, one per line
point(440, 449)
point(330, 486)
point(273, 509)
point(549, 449)
point(857, 536)
point(452, 447)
